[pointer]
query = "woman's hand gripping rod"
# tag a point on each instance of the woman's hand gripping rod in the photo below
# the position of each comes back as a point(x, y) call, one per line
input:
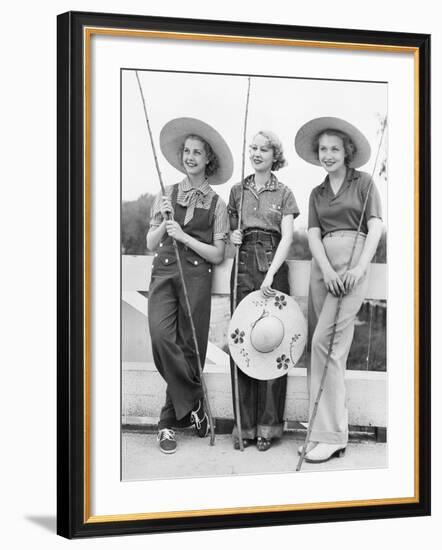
point(336, 318)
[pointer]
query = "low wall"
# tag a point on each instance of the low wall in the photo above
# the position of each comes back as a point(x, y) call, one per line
point(144, 392)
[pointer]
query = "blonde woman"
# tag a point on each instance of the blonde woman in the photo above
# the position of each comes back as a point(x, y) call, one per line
point(268, 210)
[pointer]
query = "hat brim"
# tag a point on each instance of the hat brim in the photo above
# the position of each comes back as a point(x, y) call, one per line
point(308, 133)
point(277, 362)
point(172, 138)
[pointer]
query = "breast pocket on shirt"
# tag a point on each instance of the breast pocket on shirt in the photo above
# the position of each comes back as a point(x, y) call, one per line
point(275, 214)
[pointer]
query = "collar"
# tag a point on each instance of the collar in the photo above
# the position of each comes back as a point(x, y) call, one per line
point(350, 175)
point(186, 186)
point(271, 185)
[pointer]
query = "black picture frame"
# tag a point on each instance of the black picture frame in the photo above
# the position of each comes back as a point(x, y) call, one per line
point(73, 512)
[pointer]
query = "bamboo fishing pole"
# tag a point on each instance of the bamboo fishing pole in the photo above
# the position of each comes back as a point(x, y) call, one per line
point(336, 318)
point(235, 275)
point(180, 269)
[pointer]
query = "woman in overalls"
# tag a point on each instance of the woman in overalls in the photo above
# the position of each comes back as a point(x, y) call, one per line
point(335, 210)
point(268, 211)
point(200, 227)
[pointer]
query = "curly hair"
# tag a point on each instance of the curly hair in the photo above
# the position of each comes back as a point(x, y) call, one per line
point(213, 164)
point(349, 146)
point(279, 160)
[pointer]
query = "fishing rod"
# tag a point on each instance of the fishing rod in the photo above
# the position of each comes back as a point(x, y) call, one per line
point(338, 311)
point(169, 216)
point(235, 274)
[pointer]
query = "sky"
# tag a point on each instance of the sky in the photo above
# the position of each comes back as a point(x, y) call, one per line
point(281, 105)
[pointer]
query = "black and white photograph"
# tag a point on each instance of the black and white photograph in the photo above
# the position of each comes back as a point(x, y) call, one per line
point(253, 274)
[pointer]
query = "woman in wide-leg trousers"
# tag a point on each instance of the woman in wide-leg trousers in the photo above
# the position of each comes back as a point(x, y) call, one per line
point(331, 424)
point(344, 223)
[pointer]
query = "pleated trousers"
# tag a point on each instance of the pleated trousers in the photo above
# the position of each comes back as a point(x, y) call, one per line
point(331, 423)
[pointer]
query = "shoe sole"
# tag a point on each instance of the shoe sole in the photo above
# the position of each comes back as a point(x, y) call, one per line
point(200, 433)
point(205, 418)
point(337, 454)
point(168, 452)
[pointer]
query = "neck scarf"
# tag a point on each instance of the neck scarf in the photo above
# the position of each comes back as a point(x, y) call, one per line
point(191, 196)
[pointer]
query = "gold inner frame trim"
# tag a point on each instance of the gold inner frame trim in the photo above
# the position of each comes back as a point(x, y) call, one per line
point(252, 509)
point(87, 34)
point(249, 39)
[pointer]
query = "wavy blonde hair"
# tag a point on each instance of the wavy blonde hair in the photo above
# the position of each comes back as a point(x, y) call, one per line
point(278, 152)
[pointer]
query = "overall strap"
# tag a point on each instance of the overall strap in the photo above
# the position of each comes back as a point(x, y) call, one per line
point(212, 208)
point(174, 195)
point(173, 198)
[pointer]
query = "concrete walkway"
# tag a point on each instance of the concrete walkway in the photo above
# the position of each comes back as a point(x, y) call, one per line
point(143, 460)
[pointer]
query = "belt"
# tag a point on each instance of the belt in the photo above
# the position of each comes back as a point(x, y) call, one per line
point(343, 233)
point(261, 235)
point(257, 238)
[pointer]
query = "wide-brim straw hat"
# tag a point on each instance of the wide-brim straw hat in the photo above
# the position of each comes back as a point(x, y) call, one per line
point(308, 133)
point(267, 335)
point(175, 132)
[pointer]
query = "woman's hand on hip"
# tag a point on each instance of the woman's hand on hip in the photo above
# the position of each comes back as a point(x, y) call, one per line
point(174, 230)
point(352, 277)
point(236, 237)
point(333, 282)
point(266, 287)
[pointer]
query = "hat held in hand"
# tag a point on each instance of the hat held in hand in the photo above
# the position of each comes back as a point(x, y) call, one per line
point(267, 335)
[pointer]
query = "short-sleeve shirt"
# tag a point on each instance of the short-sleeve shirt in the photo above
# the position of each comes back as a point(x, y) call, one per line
point(342, 211)
point(204, 198)
point(262, 208)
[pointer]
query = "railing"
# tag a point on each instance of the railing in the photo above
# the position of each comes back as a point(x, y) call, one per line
point(136, 277)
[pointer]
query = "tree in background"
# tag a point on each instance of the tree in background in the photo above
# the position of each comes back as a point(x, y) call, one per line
point(381, 253)
point(299, 249)
point(135, 217)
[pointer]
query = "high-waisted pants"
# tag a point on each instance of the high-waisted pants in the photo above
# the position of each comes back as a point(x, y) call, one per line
point(262, 402)
point(172, 343)
point(331, 424)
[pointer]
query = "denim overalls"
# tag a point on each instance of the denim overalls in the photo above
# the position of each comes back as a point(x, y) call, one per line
point(261, 402)
point(172, 343)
